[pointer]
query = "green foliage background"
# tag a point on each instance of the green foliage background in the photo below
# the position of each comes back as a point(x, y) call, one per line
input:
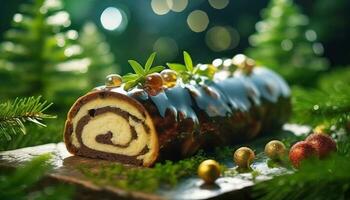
point(285, 43)
point(41, 55)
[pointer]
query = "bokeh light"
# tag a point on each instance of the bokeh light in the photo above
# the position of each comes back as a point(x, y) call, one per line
point(60, 18)
point(262, 26)
point(73, 50)
point(219, 4)
point(198, 21)
point(220, 38)
point(18, 18)
point(311, 35)
point(217, 62)
point(276, 12)
point(60, 40)
point(227, 62)
point(161, 7)
point(72, 34)
point(166, 48)
point(318, 48)
point(239, 58)
point(111, 18)
point(177, 5)
point(287, 45)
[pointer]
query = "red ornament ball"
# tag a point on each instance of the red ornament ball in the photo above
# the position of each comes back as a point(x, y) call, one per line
point(322, 143)
point(301, 151)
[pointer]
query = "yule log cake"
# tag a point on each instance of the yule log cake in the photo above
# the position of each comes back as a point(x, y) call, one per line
point(146, 117)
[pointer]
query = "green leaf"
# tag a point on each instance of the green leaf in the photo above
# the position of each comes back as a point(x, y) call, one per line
point(156, 69)
point(131, 80)
point(130, 84)
point(137, 67)
point(177, 67)
point(188, 61)
point(150, 61)
point(130, 77)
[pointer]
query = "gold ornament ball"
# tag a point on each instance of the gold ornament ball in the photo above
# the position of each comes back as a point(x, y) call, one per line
point(275, 150)
point(244, 63)
point(169, 78)
point(239, 60)
point(244, 157)
point(113, 80)
point(209, 171)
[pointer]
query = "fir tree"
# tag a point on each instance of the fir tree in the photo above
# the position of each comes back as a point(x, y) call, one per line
point(284, 43)
point(97, 50)
point(39, 55)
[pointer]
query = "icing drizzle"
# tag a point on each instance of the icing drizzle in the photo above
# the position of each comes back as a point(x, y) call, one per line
point(221, 97)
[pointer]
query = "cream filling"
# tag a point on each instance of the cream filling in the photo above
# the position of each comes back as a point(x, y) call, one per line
point(118, 125)
point(120, 128)
point(99, 103)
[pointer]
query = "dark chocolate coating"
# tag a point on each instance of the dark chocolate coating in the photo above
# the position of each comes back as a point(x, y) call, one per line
point(220, 112)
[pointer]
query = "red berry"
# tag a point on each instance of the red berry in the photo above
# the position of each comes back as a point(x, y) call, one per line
point(301, 151)
point(322, 143)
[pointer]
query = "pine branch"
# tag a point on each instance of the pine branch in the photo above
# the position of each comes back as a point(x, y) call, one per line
point(328, 104)
point(14, 114)
point(38, 135)
point(322, 107)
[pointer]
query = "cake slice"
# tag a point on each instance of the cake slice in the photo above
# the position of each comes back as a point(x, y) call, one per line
point(112, 126)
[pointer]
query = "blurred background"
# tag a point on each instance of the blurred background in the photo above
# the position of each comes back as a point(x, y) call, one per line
point(61, 49)
point(206, 28)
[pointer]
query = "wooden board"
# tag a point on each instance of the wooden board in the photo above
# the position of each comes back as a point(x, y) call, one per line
point(65, 170)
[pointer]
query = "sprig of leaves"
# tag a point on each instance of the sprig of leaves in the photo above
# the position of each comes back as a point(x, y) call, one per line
point(131, 80)
point(189, 72)
point(186, 71)
point(14, 114)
